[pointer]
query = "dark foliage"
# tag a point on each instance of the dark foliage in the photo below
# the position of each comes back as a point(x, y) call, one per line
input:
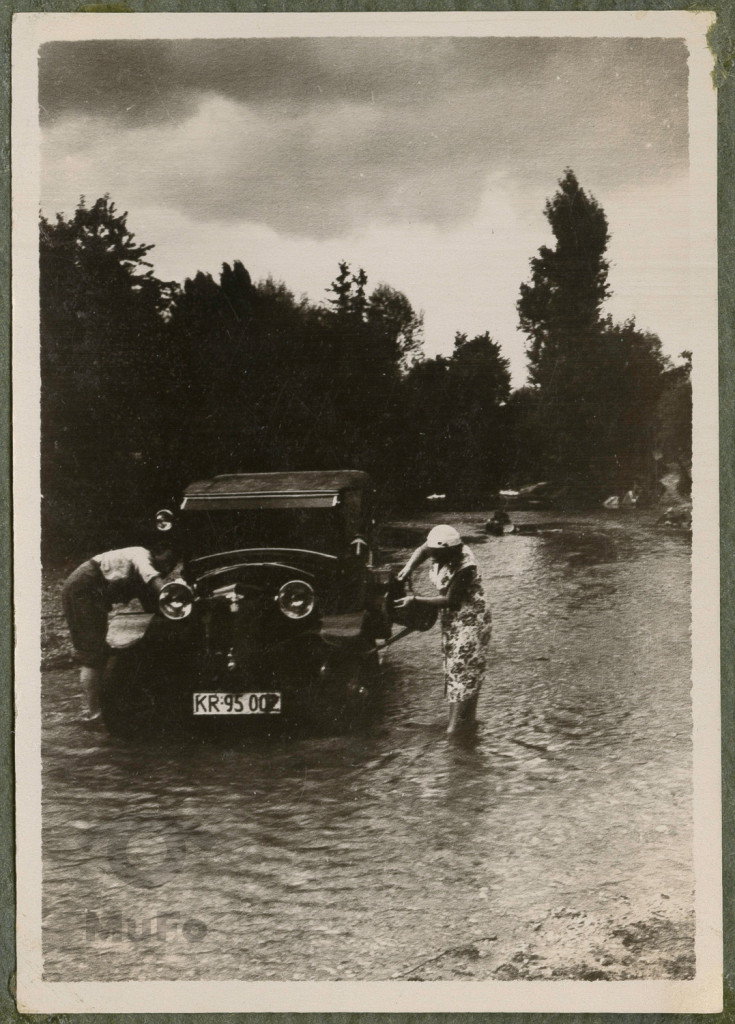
point(674, 418)
point(103, 371)
point(590, 415)
point(147, 385)
point(561, 305)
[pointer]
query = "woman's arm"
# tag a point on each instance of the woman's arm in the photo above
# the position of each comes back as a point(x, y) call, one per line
point(420, 555)
point(440, 601)
point(451, 599)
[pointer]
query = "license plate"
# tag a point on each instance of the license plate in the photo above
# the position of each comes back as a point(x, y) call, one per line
point(237, 703)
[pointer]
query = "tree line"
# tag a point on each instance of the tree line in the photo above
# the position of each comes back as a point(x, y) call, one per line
point(148, 384)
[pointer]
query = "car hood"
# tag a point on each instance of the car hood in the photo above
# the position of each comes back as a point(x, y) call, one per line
point(256, 565)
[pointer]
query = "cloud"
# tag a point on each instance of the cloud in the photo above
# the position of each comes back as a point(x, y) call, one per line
point(467, 277)
point(140, 80)
point(317, 136)
point(425, 161)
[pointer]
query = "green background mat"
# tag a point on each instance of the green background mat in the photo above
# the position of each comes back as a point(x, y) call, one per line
point(722, 42)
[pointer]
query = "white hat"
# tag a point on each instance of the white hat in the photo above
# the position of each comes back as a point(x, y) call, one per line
point(443, 537)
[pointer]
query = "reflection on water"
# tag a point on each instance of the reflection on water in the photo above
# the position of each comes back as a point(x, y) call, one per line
point(354, 856)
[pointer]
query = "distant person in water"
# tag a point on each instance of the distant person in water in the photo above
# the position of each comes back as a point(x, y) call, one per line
point(632, 497)
point(114, 577)
point(500, 523)
point(465, 618)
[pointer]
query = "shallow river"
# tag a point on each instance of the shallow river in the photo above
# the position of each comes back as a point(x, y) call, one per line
point(362, 856)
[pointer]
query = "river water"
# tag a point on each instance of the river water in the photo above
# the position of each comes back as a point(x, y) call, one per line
point(364, 856)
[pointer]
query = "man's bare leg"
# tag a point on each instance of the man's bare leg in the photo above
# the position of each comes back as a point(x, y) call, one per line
point(91, 679)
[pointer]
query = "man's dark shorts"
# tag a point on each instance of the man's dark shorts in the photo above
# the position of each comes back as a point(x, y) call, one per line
point(86, 607)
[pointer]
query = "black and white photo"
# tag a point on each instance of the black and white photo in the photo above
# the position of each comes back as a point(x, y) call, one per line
point(365, 417)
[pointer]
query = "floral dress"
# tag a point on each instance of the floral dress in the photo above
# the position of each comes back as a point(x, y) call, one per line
point(465, 630)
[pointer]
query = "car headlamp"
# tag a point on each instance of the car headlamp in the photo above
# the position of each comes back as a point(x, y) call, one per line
point(176, 599)
point(296, 599)
point(164, 520)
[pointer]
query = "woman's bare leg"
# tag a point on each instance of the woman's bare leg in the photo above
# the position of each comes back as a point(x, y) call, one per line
point(453, 716)
point(461, 714)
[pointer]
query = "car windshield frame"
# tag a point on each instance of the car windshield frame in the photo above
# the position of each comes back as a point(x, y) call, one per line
point(323, 512)
point(259, 529)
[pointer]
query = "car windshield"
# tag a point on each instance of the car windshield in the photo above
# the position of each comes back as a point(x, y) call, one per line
point(313, 529)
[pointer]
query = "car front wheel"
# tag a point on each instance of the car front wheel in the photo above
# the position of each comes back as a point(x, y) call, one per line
point(356, 691)
point(129, 700)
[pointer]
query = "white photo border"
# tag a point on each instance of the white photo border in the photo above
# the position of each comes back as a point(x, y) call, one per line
point(704, 992)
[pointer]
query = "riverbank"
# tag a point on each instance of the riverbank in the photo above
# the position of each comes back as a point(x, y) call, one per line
point(573, 945)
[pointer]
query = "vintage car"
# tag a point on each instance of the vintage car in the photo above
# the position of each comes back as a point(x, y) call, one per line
point(279, 612)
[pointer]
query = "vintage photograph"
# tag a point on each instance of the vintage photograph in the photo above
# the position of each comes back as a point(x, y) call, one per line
point(366, 382)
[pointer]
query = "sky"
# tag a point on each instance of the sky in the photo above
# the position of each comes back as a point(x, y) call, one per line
point(425, 161)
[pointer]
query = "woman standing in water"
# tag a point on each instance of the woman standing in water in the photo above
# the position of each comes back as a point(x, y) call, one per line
point(465, 618)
